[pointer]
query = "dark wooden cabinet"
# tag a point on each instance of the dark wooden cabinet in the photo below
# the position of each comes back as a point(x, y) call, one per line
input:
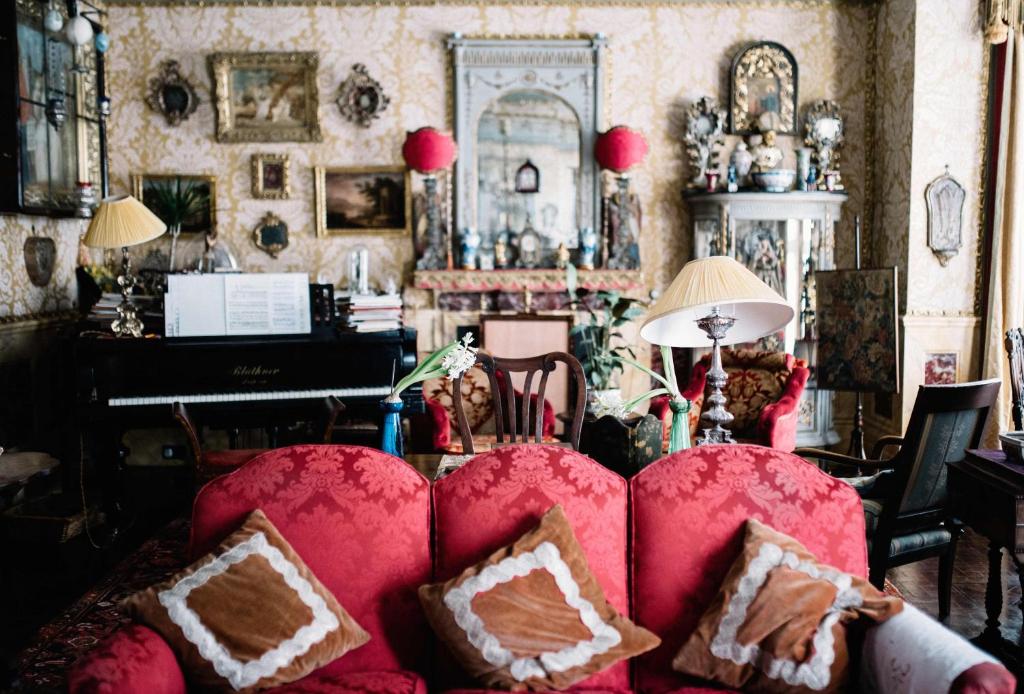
point(52, 109)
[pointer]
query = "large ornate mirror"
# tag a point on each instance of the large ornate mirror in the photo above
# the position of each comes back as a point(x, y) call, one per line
point(526, 116)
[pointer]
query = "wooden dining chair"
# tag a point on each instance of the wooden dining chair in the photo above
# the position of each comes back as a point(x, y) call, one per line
point(517, 420)
point(1015, 353)
point(906, 509)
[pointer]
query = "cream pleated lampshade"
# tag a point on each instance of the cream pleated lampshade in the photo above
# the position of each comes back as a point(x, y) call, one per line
point(718, 281)
point(122, 220)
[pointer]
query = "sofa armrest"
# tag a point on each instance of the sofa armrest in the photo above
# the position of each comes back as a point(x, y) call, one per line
point(134, 660)
point(778, 421)
point(913, 654)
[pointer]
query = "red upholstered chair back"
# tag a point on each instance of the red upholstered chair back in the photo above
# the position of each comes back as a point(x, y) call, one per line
point(499, 495)
point(688, 510)
point(359, 518)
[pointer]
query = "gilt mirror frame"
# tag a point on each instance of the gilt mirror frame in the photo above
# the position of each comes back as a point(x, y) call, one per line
point(485, 69)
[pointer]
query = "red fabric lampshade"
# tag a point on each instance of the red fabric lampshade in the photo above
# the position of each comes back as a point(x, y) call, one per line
point(620, 148)
point(428, 149)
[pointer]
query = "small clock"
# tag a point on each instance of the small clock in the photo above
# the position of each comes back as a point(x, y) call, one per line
point(529, 247)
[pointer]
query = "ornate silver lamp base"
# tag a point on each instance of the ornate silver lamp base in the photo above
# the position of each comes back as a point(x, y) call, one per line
point(127, 323)
point(716, 416)
point(435, 251)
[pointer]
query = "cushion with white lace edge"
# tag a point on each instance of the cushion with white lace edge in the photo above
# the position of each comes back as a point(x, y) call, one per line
point(532, 617)
point(779, 622)
point(248, 616)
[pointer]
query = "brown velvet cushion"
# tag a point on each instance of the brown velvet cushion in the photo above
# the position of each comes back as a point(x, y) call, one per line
point(779, 621)
point(248, 616)
point(532, 616)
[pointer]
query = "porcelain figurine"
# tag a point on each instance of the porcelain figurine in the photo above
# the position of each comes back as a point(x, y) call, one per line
point(741, 160)
point(767, 155)
point(470, 245)
point(588, 248)
point(730, 179)
point(500, 253)
point(561, 257)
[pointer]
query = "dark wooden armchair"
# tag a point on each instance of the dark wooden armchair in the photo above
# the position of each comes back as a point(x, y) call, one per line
point(528, 403)
point(905, 506)
point(1015, 353)
point(211, 463)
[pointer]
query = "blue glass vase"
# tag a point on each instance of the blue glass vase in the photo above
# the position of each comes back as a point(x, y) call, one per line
point(391, 430)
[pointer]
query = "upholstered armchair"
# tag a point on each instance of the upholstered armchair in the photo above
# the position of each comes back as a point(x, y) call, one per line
point(443, 424)
point(764, 391)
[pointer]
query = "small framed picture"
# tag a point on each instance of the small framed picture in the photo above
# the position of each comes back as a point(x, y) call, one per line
point(266, 97)
point(271, 176)
point(365, 199)
point(186, 200)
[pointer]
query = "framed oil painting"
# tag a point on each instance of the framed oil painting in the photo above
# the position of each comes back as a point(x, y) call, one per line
point(191, 198)
point(266, 97)
point(360, 200)
point(271, 176)
point(858, 330)
point(763, 90)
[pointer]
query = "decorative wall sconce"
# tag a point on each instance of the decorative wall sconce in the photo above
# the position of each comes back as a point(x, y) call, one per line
point(171, 95)
point(271, 235)
point(945, 200)
point(361, 98)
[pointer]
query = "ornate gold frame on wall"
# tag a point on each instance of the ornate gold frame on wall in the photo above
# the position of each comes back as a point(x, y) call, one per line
point(272, 249)
point(763, 59)
point(320, 192)
point(260, 160)
point(222, 64)
point(137, 181)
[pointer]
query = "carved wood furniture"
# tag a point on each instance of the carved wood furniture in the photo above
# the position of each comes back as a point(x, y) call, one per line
point(784, 238)
point(987, 493)
point(211, 463)
point(906, 505)
point(1015, 353)
point(530, 416)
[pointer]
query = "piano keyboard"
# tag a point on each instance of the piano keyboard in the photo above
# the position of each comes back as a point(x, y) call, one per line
point(270, 395)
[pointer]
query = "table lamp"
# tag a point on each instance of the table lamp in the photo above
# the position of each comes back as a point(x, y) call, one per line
point(428, 151)
point(715, 299)
point(119, 222)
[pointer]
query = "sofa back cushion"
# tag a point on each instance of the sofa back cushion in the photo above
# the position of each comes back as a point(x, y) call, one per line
point(498, 496)
point(360, 520)
point(688, 513)
point(756, 379)
point(476, 399)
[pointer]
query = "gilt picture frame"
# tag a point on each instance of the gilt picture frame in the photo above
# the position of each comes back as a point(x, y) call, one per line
point(204, 221)
point(763, 90)
point(266, 96)
point(362, 200)
point(271, 176)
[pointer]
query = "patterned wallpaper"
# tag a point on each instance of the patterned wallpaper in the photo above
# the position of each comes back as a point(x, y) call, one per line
point(661, 57)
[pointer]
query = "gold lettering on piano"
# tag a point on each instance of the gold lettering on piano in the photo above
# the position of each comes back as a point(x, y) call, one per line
point(251, 375)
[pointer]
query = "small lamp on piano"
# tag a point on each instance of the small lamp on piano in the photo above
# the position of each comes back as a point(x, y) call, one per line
point(122, 221)
point(720, 300)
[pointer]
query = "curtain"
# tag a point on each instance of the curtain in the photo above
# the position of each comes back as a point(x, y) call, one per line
point(1006, 272)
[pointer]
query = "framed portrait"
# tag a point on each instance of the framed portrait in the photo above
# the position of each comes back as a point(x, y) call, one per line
point(266, 97)
point(858, 330)
point(762, 91)
point(271, 176)
point(189, 197)
point(359, 200)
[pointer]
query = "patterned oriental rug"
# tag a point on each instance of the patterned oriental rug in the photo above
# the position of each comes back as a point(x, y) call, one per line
point(93, 617)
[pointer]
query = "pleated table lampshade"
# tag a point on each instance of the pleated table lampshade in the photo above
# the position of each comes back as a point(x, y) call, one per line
point(121, 221)
point(707, 283)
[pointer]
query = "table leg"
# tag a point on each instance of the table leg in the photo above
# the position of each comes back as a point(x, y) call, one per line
point(993, 593)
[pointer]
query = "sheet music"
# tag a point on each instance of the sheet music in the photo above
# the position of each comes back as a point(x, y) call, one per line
point(237, 304)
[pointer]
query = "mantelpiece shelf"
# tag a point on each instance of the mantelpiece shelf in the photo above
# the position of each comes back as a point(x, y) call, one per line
point(545, 280)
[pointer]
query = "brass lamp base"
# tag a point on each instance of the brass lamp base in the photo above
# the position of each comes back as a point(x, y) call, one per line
point(127, 323)
point(716, 416)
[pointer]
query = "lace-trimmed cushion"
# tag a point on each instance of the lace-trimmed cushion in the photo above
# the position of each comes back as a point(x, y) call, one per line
point(779, 621)
point(532, 616)
point(248, 616)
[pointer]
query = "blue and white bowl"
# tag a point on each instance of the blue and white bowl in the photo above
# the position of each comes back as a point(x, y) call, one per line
point(774, 181)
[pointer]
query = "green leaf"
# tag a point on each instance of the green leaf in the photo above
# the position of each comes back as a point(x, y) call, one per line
point(653, 374)
point(571, 277)
point(630, 405)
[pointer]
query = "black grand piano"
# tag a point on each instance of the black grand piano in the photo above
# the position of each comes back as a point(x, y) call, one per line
point(244, 382)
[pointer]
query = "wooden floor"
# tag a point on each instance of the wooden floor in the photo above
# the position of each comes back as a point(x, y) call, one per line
point(919, 584)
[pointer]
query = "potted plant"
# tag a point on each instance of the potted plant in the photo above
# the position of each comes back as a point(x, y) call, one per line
point(174, 202)
point(599, 343)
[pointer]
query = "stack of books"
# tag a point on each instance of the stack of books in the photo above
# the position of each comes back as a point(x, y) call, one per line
point(370, 313)
point(104, 311)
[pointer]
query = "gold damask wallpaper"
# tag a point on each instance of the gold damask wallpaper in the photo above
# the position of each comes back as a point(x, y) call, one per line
point(661, 57)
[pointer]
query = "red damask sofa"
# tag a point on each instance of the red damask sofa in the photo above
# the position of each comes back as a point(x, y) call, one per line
point(659, 546)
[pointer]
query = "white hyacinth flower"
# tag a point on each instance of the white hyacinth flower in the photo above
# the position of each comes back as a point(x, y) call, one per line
point(459, 360)
point(609, 403)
